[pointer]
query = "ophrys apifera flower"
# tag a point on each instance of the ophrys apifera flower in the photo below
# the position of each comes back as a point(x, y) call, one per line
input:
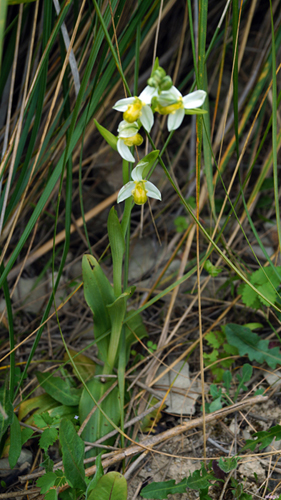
point(172, 103)
point(139, 188)
point(137, 108)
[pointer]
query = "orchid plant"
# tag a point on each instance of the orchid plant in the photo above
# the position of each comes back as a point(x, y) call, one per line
point(113, 329)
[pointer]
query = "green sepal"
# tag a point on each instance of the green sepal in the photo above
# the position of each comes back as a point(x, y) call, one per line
point(196, 111)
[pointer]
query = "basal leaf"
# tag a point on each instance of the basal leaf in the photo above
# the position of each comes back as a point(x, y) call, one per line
point(46, 482)
point(48, 437)
point(250, 344)
point(6, 417)
point(98, 425)
point(162, 489)
point(263, 438)
point(111, 486)
point(200, 479)
point(98, 294)
point(72, 455)
point(59, 389)
point(15, 442)
point(40, 403)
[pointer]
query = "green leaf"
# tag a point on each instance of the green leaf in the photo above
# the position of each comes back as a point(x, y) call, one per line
point(48, 437)
point(162, 489)
point(265, 280)
point(148, 161)
point(6, 417)
point(40, 403)
point(250, 344)
point(98, 425)
point(117, 312)
point(46, 482)
point(111, 486)
point(108, 136)
point(42, 420)
point(51, 495)
point(59, 389)
point(72, 455)
point(134, 326)
point(228, 464)
point(211, 269)
point(263, 438)
point(200, 479)
point(117, 245)
point(15, 444)
point(26, 434)
point(203, 494)
point(98, 294)
point(98, 474)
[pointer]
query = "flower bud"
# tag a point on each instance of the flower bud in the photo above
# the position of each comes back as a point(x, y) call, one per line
point(166, 83)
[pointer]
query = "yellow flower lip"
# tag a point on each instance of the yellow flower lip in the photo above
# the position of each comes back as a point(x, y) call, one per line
point(135, 140)
point(139, 193)
point(134, 111)
point(170, 109)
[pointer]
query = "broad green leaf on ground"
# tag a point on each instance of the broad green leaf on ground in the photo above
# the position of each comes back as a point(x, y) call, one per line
point(111, 486)
point(263, 438)
point(51, 495)
point(200, 479)
point(162, 489)
point(48, 438)
point(26, 434)
point(42, 420)
point(15, 442)
point(73, 455)
point(265, 280)
point(228, 464)
point(40, 403)
point(46, 482)
point(98, 474)
point(59, 389)
point(250, 344)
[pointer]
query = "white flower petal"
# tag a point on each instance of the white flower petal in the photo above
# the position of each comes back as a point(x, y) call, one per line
point(124, 151)
point(147, 94)
point(125, 192)
point(126, 129)
point(170, 96)
point(152, 191)
point(175, 119)
point(123, 104)
point(147, 118)
point(137, 173)
point(194, 100)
